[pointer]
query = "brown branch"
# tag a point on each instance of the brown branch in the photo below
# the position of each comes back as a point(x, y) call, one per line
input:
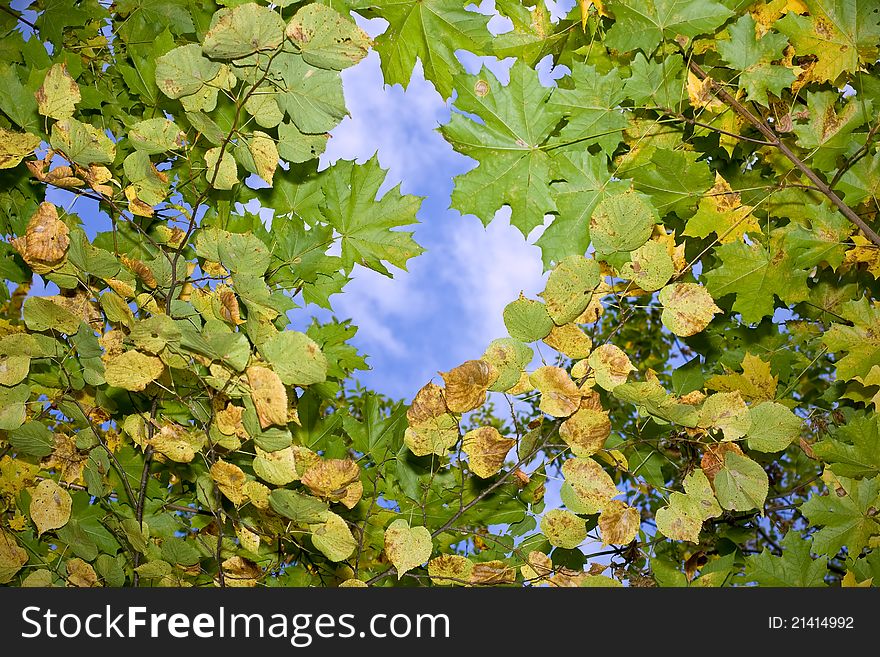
point(773, 138)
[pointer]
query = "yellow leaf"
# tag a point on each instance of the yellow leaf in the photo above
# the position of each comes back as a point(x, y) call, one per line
point(563, 529)
point(466, 385)
point(586, 431)
point(269, 396)
point(569, 339)
point(849, 581)
point(700, 94)
point(687, 308)
point(132, 370)
point(538, 567)
point(59, 93)
point(230, 479)
point(432, 436)
point(177, 442)
point(450, 570)
point(492, 573)
point(560, 396)
point(333, 538)
point(265, 153)
point(585, 10)
point(50, 506)
point(721, 211)
point(592, 485)
point(66, 459)
point(486, 450)
point(337, 480)
point(756, 383)
point(611, 366)
point(15, 146)
point(864, 252)
point(407, 547)
point(618, 523)
point(12, 557)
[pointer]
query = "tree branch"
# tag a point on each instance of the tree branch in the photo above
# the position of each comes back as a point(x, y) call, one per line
point(774, 140)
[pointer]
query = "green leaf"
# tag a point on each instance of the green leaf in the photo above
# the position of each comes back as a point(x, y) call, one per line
point(794, 567)
point(32, 438)
point(509, 357)
point(674, 180)
point(327, 39)
point(592, 108)
point(862, 181)
point(842, 36)
point(820, 238)
point(12, 406)
point(221, 172)
point(82, 143)
point(583, 181)
point(17, 102)
point(155, 136)
point(645, 25)
point(756, 275)
point(569, 288)
point(682, 519)
point(773, 427)
point(311, 96)
point(527, 320)
point(622, 222)
point(183, 71)
point(853, 450)
point(740, 484)
point(430, 31)
point(366, 222)
point(296, 358)
point(753, 55)
point(514, 168)
point(298, 507)
point(827, 135)
point(846, 515)
point(43, 314)
point(657, 84)
point(242, 31)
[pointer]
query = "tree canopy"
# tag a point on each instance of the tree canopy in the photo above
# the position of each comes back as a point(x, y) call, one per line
point(691, 401)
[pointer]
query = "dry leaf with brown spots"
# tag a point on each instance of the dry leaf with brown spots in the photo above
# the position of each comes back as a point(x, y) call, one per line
point(619, 523)
point(269, 396)
point(337, 480)
point(560, 396)
point(466, 385)
point(428, 403)
point(66, 459)
point(239, 572)
point(230, 479)
point(81, 574)
point(486, 450)
point(46, 240)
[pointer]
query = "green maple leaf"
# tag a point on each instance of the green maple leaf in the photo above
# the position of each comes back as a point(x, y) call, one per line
point(534, 34)
point(429, 30)
point(753, 57)
point(756, 274)
point(820, 237)
point(592, 109)
point(674, 179)
point(794, 567)
point(509, 144)
point(847, 516)
point(657, 84)
point(854, 449)
point(842, 35)
point(584, 180)
point(366, 222)
point(645, 23)
point(862, 182)
point(861, 341)
point(828, 134)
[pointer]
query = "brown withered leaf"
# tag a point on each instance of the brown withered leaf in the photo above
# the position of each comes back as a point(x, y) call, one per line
point(538, 567)
point(466, 385)
point(61, 176)
point(228, 421)
point(492, 573)
point(230, 479)
point(713, 458)
point(82, 304)
point(428, 403)
point(135, 205)
point(269, 396)
point(141, 270)
point(96, 176)
point(239, 572)
point(81, 574)
point(337, 480)
point(50, 506)
point(486, 450)
point(66, 459)
point(46, 239)
point(229, 310)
